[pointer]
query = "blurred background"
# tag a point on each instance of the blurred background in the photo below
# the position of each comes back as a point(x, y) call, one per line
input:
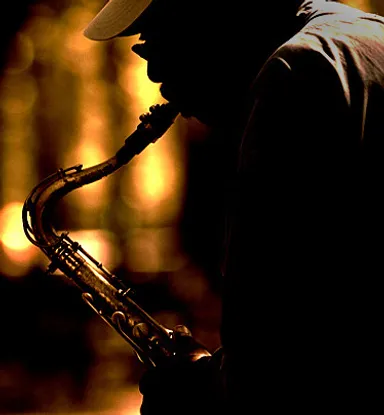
point(65, 100)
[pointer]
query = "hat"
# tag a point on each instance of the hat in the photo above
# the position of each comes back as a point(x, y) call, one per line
point(114, 18)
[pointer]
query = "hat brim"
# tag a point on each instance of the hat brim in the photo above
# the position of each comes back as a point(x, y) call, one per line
point(115, 17)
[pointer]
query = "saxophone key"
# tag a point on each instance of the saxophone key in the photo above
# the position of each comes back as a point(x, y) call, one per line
point(141, 331)
point(118, 317)
point(124, 293)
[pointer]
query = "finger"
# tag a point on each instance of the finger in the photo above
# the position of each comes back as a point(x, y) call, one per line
point(181, 330)
point(189, 349)
point(154, 380)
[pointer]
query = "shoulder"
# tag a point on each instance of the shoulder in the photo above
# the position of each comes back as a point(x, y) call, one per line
point(302, 63)
point(334, 39)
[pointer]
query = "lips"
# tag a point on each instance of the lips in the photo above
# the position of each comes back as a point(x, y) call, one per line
point(141, 50)
point(173, 96)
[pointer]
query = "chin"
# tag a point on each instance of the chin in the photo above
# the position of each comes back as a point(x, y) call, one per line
point(198, 115)
point(188, 106)
point(206, 117)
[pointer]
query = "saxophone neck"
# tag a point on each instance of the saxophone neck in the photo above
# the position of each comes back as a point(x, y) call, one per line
point(40, 204)
point(154, 125)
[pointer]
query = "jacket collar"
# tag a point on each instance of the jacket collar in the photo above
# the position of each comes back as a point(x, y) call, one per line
point(308, 8)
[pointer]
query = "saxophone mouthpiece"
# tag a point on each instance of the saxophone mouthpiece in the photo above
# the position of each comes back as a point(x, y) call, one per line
point(154, 124)
point(160, 117)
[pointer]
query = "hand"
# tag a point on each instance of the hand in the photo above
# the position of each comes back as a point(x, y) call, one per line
point(187, 348)
point(184, 384)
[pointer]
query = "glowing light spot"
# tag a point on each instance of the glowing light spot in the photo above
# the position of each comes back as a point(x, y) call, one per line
point(129, 404)
point(92, 196)
point(18, 96)
point(21, 54)
point(11, 228)
point(147, 92)
point(101, 245)
point(361, 4)
point(90, 154)
point(154, 177)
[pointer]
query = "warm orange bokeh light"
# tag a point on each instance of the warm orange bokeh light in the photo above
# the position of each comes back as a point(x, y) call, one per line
point(154, 178)
point(99, 244)
point(18, 253)
point(361, 4)
point(11, 230)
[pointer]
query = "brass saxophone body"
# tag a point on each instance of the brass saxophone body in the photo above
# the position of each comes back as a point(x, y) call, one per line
point(106, 294)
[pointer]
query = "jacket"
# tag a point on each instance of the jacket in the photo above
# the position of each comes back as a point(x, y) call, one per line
point(303, 261)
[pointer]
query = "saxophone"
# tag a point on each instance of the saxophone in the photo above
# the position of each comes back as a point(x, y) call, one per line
point(104, 292)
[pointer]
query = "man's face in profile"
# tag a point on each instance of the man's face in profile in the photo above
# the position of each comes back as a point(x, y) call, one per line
point(178, 61)
point(190, 59)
